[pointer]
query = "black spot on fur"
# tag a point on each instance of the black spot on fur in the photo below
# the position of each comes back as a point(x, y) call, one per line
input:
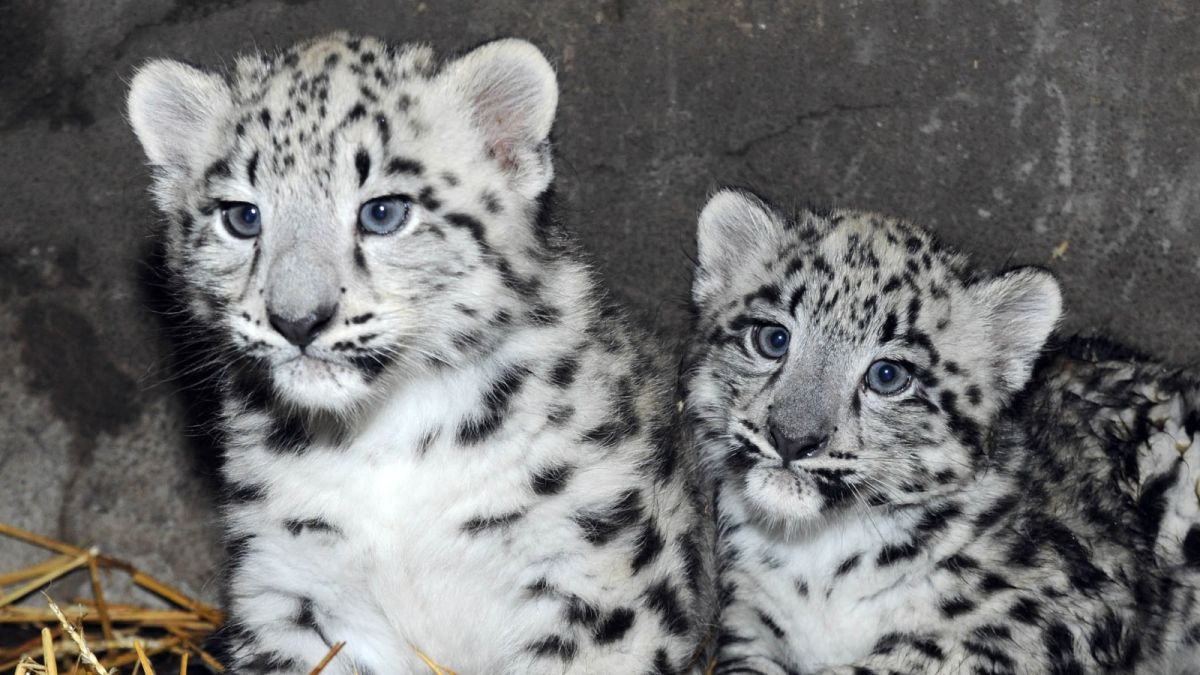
point(662, 663)
point(847, 565)
point(306, 618)
point(1026, 610)
point(218, 169)
point(580, 612)
point(649, 545)
point(1152, 503)
point(894, 553)
point(296, 526)
point(252, 169)
point(992, 582)
point(985, 520)
point(614, 626)
point(402, 166)
point(481, 524)
point(554, 646)
point(471, 225)
point(427, 197)
point(372, 363)
point(1191, 546)
point(622, 421)
point(956, 606)
point(886, 643)
point(928, 648)
point(551, 480)
point(496, 401)
point(1060, 649)
point(664, 599)
point(770, 624)
point(600, 526)
point(693, 563)
point(958, 563)
point(362, 164)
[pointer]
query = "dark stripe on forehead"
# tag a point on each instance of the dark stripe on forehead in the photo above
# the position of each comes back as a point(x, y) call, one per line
point(385, 131)
point(356, 113)
point(471, 225)
point(914, 312)
point(362, 164)
point(889, 328)
point(768, 293)
point(218, 169)
point(796, 299)
point(252, 168)
point(822, 265)
point(405, 166)
point(922, 340)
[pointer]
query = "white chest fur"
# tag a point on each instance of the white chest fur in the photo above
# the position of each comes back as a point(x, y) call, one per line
point(823, 589)
point(403, 569)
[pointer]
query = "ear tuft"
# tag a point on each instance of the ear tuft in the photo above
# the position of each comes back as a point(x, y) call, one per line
point(1021, 310)
point(732, 228)
point(513, 94)
point(173, 107)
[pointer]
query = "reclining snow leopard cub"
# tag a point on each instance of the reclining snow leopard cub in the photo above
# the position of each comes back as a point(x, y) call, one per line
point(442, 441)
point(901, 489)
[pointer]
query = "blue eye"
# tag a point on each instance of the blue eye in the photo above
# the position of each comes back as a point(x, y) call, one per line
point(242, 219)
point(384, 215)
point(887, 377)
point(772, 340)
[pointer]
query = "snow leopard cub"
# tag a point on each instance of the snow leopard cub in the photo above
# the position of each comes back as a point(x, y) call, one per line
point(902, 489)
point(441, 440)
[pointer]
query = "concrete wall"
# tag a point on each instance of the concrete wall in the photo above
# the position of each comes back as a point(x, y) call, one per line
point(1014, 129)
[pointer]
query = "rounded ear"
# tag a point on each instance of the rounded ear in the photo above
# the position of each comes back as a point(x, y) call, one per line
point(1020, 310)
point(733, 227)
point(512, 92)
point(173, 107)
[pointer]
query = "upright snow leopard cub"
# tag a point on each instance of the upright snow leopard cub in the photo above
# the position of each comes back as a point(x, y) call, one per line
point(441, 440)
point(903, 490)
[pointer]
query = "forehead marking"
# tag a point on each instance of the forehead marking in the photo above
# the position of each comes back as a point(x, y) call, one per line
point(252, 168)
point(362, 164)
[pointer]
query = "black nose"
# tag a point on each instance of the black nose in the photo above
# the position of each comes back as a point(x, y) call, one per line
point(791, 449)
point(301, 332)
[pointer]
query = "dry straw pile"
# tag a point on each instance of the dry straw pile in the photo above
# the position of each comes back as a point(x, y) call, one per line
point(129, 635)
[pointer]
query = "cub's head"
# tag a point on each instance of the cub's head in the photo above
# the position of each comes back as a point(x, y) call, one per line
point(848, 360)
point(346, 211)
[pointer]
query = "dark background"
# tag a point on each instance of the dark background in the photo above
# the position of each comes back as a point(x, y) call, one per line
point(1063, 133)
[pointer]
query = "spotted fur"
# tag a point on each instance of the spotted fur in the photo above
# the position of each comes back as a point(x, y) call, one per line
point(475, 458)
point(1000, 515)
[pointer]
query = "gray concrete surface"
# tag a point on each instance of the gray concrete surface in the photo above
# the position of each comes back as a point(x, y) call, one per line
point(1014, 129)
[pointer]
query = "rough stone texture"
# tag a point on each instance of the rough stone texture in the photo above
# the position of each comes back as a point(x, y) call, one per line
point(1013, 129)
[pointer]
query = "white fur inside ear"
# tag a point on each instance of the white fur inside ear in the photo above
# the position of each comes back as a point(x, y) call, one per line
point(513, 95)
point(732, 228)
point(1021, 310)
point(173, 108)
